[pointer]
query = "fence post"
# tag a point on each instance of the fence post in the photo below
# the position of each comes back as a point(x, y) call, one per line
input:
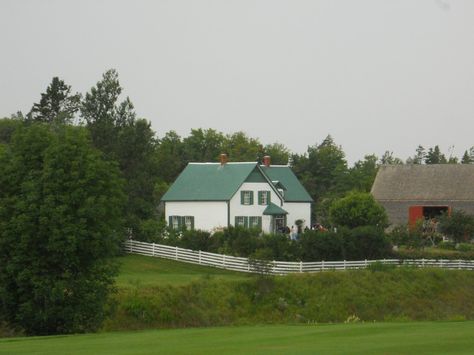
point(199, 257)
point(459, 264)
point(153, 249)
point(301, 266)
point(344, 264)
point(131, 245)
point(322, 265)
point(366, 264)
point(423, 262)
point(176, 253)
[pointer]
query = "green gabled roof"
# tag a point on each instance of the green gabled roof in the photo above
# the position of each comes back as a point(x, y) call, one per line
point(295, 192)
point(273, 209)
point(209, 182)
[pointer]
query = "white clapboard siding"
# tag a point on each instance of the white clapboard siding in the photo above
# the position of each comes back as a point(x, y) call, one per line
point(277, 267)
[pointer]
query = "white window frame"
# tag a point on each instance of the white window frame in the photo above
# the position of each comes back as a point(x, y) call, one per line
point(247, 197)
point(188, 222)
point(175, 222)
point(240, 221)
point(253, 222)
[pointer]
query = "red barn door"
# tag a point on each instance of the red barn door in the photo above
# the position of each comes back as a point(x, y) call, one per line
point(415, 213)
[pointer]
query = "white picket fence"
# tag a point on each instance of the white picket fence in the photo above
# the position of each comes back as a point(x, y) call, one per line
point(276, 267)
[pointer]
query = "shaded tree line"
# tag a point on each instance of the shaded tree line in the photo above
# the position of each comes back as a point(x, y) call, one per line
point(149, 163)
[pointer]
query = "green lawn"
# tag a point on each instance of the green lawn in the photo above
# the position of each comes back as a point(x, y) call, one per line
point(369, 338)
point(149, 271)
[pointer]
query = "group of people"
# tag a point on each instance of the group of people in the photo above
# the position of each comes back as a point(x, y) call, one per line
point(294, 231)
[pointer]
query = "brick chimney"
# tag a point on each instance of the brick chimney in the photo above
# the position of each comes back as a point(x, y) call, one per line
point(266, 161)
point(223, 158)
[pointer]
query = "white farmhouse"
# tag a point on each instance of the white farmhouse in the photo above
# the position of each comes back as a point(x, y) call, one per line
point(210, 196)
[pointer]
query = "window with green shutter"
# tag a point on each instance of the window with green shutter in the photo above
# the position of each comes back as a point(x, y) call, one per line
point(179, 222)
point(246, 197)
point(264, 197)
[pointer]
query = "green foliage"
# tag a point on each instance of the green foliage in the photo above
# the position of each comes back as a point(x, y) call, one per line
point(7, 128)
point(317, 246)
point(367, 242)
point(357, 209)
point(278, 152)
point(203, 145)
point(434, 156)
point(378, 266)
point(362, 174)
point(459, 226)
point(57, 104)
point(60, 218)
point(381, 293)
point(240, 147)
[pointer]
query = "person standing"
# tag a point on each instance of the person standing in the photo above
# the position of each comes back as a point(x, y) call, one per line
point(294, 233)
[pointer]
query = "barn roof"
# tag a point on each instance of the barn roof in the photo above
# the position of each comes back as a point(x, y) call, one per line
point(424, 182)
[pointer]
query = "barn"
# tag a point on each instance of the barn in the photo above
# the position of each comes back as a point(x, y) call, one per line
point(411, 192)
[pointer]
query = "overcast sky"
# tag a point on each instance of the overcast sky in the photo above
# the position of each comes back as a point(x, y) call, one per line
point(375, 74)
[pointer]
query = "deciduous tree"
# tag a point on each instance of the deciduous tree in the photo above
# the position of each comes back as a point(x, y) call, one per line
point(60, 226)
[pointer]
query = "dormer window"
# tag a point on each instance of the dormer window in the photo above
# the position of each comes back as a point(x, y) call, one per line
point(282, 192)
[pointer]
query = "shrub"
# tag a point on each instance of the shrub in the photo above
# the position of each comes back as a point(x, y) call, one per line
point(465, 247)
point(317, 246)
point(366, 242)
point(196, 240)
point(459, 226)
point(357, 209)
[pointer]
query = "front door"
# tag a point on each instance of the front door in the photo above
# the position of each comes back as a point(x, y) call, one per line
point(279, 224)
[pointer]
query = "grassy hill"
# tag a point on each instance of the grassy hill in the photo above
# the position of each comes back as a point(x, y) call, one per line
point(157, 293)
point(147, 271)
point(368, 338)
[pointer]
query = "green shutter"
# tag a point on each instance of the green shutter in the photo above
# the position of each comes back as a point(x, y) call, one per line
point(170, 221)
point(246, 222)
point(241, 197)
point(251, 197)
point(268, 197)
point(235, 221)
point(260, 197)
point(192, 222)
point(259, 222)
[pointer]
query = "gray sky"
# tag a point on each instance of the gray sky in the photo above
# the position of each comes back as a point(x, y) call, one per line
point(375, 74)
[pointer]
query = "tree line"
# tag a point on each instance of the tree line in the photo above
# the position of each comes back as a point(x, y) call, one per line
point(150, 164)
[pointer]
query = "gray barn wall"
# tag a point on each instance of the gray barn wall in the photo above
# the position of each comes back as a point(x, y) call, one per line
point(397, 211)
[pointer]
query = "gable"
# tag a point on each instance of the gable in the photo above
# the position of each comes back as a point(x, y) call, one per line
point(294, 190)
point(256, 176)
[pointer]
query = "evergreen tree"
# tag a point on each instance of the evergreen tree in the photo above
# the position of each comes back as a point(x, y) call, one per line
point(57, 104)
point(468, 156)
point(434, 156)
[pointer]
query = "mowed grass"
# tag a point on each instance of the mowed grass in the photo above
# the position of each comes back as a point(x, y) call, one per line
point(148, 271)
point(362, 338)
